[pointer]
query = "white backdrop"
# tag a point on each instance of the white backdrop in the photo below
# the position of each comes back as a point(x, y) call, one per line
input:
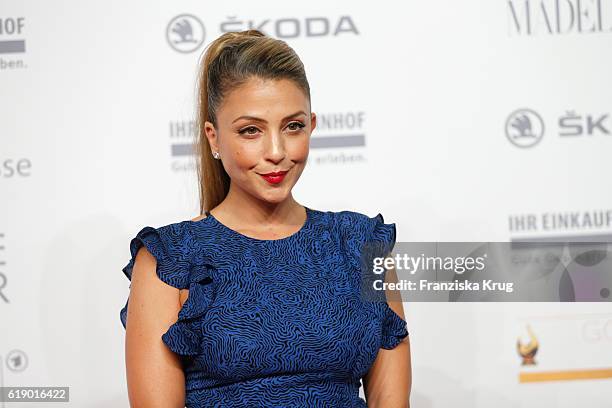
point(96, 98)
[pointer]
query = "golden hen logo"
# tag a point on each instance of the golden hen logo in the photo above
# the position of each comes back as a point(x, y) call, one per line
point(529, 350)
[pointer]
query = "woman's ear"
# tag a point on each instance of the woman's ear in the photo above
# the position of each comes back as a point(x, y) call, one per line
point(211, 135)
point(313, 121)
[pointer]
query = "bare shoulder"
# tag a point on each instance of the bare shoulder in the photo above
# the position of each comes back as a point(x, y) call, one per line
point(198, 218)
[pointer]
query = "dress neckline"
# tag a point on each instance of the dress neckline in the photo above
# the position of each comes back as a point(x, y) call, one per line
point(299, 232)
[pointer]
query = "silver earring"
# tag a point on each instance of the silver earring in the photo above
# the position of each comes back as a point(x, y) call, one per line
point(216, 155)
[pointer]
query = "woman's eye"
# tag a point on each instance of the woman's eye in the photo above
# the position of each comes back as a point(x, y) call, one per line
point(247, 130)
point(298, 125)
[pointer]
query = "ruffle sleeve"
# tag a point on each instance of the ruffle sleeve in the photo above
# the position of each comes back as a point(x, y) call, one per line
point(372, 237)
point(394, 328)
point(365, 236)
point(170, 246)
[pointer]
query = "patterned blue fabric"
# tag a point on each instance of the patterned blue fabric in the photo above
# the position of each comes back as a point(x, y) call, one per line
point(273, 323)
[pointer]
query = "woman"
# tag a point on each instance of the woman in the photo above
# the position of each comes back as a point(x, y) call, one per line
point(256, 303)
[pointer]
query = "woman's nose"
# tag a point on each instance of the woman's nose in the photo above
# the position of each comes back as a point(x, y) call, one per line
point(275, 148)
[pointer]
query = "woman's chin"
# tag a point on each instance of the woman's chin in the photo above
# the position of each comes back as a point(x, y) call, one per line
point(274, 196)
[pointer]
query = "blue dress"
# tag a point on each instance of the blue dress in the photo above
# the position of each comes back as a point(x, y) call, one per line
point(273, 323)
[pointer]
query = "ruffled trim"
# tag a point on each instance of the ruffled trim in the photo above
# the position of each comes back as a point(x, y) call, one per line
point(394, 328)
point(367, 237)
point(185, 335)
point(384, 234)
point(364, 238)
point(171, 267)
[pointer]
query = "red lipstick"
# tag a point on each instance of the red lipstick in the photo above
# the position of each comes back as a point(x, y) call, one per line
point(274, 177)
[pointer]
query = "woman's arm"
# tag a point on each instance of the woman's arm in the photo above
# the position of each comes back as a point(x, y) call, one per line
point(388, 382)
point(155, 376)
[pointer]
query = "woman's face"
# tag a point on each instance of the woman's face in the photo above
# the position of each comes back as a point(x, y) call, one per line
point(264, 127)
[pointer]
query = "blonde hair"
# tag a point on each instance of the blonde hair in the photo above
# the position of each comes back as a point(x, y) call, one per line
point(229, 62)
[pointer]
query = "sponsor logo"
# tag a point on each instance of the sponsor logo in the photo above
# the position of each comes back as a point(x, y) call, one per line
point(527, 351)
point(524, 128)
point(185, 33)
point(558, 17)
point(294, 27)
point(16, 361)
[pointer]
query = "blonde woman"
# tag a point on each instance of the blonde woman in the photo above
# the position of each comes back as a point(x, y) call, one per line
point(256, 302)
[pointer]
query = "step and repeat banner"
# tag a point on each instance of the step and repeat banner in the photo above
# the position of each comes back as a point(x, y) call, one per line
point(480, 120)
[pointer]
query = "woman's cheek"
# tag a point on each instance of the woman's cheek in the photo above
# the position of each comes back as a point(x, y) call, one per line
point(300, 151)
point(246, 157)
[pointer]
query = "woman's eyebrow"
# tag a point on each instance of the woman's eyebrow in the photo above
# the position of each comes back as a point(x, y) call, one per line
point(301, 112)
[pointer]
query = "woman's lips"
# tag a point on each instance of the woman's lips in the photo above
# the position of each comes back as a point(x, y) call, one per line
point(275, 177)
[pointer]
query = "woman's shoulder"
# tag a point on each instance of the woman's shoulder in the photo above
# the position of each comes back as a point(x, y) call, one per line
point(169, 234)
point(198, 218)
point(358, 228)
point(345, 216)
point(174, 232)
point(357, 223)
